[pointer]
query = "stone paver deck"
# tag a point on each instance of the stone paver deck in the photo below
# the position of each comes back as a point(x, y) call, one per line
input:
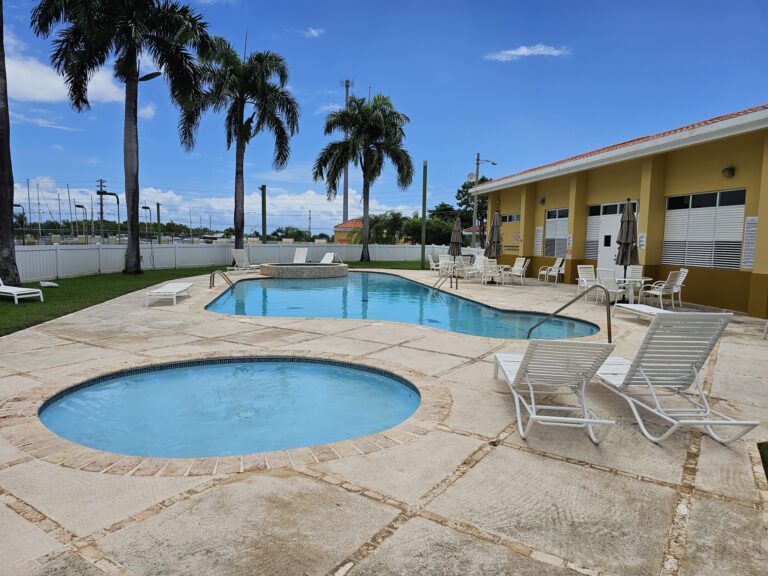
point(453, 490)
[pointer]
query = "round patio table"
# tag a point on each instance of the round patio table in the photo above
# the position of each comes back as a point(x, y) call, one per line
point(633, 282)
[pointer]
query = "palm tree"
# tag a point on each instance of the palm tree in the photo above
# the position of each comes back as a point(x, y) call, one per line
point(9, 273)
point(91, 32)
point(253, 92)
point(373, 133)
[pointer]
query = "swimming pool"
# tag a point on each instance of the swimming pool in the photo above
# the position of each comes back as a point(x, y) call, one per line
point(229, 407)
point(377, 296)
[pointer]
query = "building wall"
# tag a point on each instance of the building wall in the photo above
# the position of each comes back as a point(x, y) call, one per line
point(651, 181)
point(345, 236)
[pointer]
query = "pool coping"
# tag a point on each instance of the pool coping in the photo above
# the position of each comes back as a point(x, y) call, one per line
point(21, 426)
point(600, 329)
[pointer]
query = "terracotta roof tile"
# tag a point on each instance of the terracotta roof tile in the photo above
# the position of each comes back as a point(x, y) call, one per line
point(353, 224)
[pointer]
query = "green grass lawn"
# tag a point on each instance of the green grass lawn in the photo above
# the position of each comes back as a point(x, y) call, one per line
point(77, 293)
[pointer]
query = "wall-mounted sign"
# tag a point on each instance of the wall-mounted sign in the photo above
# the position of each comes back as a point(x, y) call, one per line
point(538, 237)
point(641, 241)
point(750, 241)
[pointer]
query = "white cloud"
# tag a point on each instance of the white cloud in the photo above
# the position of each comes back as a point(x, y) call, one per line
point(30, 80)
point(312, 32)
point(147, 112)
point(328, 107)
point(42, 122)
point(58, 147)
point(525, 51)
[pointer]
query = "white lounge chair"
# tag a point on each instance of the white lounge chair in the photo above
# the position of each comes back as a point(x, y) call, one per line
point(553, 271)
point(328, 258)
point(17, 292)
point(242, 264)
point(433, 266)
point(586, 278)
point(638, 309)
point(660, 289)
point(300, 256)
point(667, 365)
point(554, 368)
point(168, 292)
point(517, 270)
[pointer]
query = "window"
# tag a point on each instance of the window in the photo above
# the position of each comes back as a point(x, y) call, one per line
point(510, 218)
point(556, 233)
point(704, 230)
point(593, 210)
point(610, 209)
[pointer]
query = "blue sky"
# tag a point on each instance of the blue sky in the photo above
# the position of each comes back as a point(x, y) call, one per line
point(524, 83)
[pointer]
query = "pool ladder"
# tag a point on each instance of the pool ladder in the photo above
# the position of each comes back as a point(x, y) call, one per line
point(212, 279)
point(578, 297)
point(444, 276)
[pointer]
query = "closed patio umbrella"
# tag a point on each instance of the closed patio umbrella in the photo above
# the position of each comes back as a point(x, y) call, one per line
point(454, 248)
point(627, 238)
point(493, 248)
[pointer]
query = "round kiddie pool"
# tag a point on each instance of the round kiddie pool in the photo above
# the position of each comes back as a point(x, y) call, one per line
point(229, 406)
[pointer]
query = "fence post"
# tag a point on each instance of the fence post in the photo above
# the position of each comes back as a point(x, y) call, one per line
point(57, 261)
point(98, 250)
point(175, 256)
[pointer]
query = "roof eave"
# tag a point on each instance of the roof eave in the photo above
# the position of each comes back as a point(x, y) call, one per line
point(699, 135)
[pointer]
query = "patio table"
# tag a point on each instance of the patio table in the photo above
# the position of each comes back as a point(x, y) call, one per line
point(634, 281)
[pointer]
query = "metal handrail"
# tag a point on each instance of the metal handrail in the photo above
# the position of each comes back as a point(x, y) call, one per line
point(212, 279)
point(578, 297)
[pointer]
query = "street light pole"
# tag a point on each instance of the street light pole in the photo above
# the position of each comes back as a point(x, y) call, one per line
point(475, 225)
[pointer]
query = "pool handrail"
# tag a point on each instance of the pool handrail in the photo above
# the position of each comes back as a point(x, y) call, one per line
point(576, 298)
point(212, 279)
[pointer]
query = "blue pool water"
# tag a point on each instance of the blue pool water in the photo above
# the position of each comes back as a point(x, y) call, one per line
point(376, 296)
point(235, 407)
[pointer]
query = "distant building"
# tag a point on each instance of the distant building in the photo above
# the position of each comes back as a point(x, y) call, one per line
point(700, 193)
point(347, 232)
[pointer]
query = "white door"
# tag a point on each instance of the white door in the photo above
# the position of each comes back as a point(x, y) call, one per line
point(607, 248)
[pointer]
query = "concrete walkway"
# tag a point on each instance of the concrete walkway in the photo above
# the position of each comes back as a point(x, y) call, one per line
point(452, 491)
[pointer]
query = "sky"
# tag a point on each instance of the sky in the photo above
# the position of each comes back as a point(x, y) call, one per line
point(523, 83)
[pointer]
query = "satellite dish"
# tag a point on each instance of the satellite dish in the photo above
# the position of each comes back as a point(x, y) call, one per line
point(471, 177)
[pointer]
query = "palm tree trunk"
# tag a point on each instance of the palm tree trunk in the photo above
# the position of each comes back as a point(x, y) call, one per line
point(9, 273)
point(131, 169)
point(239, 191)
point(365, 256)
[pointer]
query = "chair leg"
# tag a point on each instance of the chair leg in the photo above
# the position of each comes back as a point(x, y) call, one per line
point(727, 440)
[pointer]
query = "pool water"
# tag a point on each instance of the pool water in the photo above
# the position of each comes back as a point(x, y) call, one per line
point(228, 408)
point(377, 296)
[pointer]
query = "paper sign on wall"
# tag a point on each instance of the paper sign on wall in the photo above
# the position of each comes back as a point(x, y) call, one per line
point(641, 241)
point(538, 237)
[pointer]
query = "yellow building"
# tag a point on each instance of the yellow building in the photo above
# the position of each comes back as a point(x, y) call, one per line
point(348, 232)
point(701, 198)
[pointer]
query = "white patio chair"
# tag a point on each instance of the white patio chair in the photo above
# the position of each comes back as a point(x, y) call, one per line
point(516, 271)
point(242, 263)
point(586, 278)
point(554, 368)
point(328, 258)
point(445, 263)
point(678, 289)
point(433, 266)
point(660, 289)
point(491, 271)
point(667, 365)
point(17, 292)
point(475, 269)
point(552, 271)
point(606, 277)
point(463, 264)
point(300, 256)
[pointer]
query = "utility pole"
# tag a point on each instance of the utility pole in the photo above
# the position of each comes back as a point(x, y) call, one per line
point(263, 189)
point(29, 203)
point(61, 223)
point(310, 224)
point(347, 84)
point(159, 229)
point(101, 208)
point(474, 201)
point(190, 222)
point(72, 229)
point(210, 225)
point(424, 216)
point(93, 222)
point(39, 217)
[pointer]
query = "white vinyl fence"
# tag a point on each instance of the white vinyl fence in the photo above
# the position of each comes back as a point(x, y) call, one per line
point(62, 261)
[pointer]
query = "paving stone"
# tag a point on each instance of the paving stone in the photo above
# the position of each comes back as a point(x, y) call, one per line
point(408, 471)
point(335, 344)
point(481, 412)
point(725, 469)
point(423, 547)
point(427, 362)
point(86, 501)
point(265, 524)
point(457, 344)
point(387, 333)
point(21, 540)
point(67, 564)
point(11, 386)
point(595, 519)
point(723, 539)
point(8, 452)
